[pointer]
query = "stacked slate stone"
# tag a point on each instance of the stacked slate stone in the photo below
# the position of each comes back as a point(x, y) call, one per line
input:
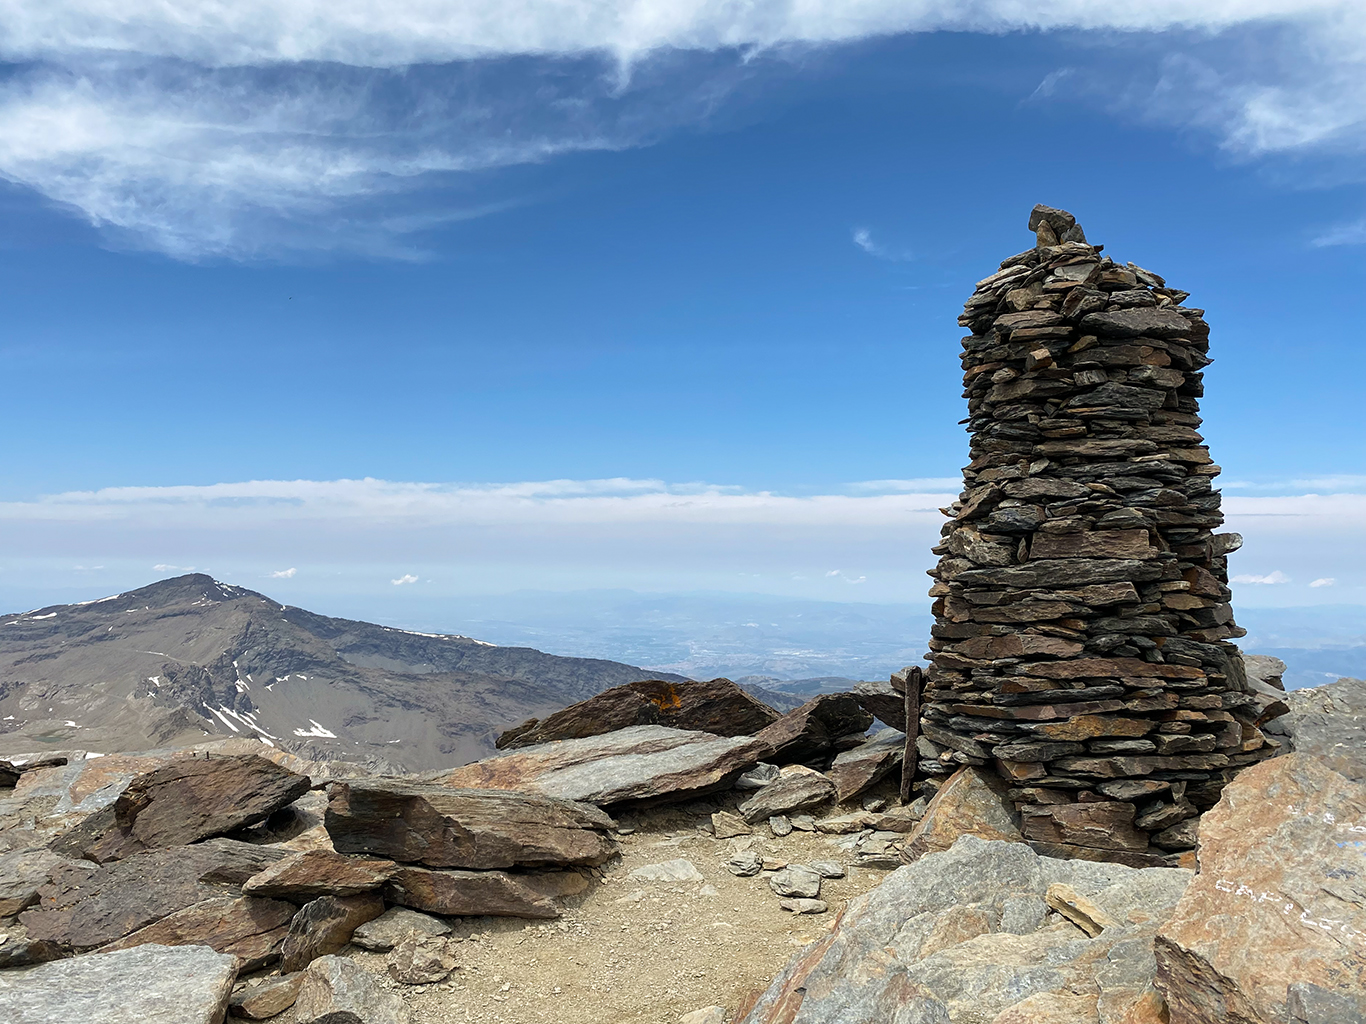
point(1080, 646)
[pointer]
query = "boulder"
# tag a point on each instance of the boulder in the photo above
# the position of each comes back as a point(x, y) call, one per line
point(972, 803)
point(1328, 722)
point(796, 880)
point(433, 824)
point(148, 984)
point(961, 935)
point(421, 960)
point(884, 702)
point(718, 707)
point(266, 998)
point(814, 730)
point(467, 893)
point(794, 791)
point(854, 771)
point(1280, 897)
point(644, 764)
point(393, 926)
point(308, 875)
point(18, 950)
point(22, 874)
point(86, 906)
point(195, 798)
point(9, 775)
point(323, 926)
point(338, 991)
point(803, 906)
point(248, 928)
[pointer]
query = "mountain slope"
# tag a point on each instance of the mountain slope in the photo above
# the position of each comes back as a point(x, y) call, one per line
point(190, 656)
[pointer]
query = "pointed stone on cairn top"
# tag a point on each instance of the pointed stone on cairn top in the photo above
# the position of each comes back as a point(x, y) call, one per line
point(1053, 226)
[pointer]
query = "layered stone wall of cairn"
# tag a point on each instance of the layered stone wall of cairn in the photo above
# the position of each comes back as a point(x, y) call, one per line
point(1082, 619)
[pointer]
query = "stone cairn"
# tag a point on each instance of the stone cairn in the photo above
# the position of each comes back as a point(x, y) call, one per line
point(1080, 646)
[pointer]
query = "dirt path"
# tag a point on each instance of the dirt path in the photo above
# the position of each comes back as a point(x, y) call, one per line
point(633, 952)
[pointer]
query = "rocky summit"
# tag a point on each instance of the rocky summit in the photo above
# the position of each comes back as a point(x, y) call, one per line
point(1092, 809)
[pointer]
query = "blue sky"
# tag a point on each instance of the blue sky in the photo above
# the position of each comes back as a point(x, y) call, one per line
point(634, 295)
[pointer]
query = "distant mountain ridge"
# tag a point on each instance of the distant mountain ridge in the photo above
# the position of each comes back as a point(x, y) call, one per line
point(190, 656)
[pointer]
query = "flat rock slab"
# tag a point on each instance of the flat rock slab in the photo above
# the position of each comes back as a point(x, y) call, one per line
point(86, 906)
point(884, 702)
point(315, 873)
point(393, 926)
point(812, 729)
point(248, 928)
point(441, 826)
point(1280, 897)
point(337, 991)
point(421, 960)
point(718, 707)
point(323, 926)
point(631, 767)
point(196, 798)
point(466, 893)
point(22, 874)
point(148, 984)
point(792, 792)
point(854, 771)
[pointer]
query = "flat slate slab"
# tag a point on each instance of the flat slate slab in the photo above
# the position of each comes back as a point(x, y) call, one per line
point(86, 906)
point(441, 826)
point(148, 984)
point(642, 764)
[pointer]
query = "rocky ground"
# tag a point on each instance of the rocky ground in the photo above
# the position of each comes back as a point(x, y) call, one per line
point(654, 874)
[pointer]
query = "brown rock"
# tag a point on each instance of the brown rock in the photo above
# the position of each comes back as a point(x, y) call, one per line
point(972, 803)
point(793, 791)
point(1051, 1008)
point(194, 798)
point(463, 893)
point(854, 771)
point(812, 729)
point(314, 873)
point(324, 926)
point(1108, 825)
point(725, 825)
point(884, 701)
point(1110, 668)
point(643, 765)
point(1085, 913)
point(429, 823)
point(1279, 898)
point(1135, 323)
point(266, 998)
point(1087, 727)
point(718, 707)
point(1092, 544)
point(85, 906)
point(250, 929)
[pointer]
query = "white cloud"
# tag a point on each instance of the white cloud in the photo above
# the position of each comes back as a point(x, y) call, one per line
point(1344, 234)
point(163, 567)
point(283, 574)
point(403, 580)
point(832, 572)
point(863, 238)
point(208, 129)
point(575, 534)
point(1323, 581)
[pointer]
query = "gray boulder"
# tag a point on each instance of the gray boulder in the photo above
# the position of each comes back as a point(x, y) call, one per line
point(794, 791)
point(962, 935)
point(337, 991)
point(147, 984)
point(393, 926)
point(1328, 722)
